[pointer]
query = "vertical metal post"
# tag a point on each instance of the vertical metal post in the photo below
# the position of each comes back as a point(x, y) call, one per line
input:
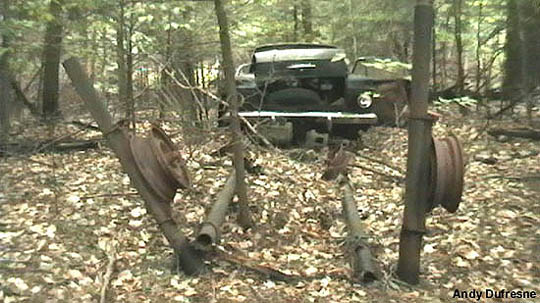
point(419, 143)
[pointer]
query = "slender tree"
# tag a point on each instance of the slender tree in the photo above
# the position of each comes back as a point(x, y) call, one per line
point(478, 53)
point(121, 57)
point(51, 60)
point(130, 100)
point(458, 29)
point(513, 66)
point(307, 21)
point(530, 25)
point(244, 216)
point(6, 93)
point(296, 21)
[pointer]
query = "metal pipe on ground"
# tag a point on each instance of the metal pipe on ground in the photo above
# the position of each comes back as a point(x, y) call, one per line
point(210, 229)
point(361, 259)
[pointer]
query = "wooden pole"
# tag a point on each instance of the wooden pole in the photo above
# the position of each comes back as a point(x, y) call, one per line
point(419, 145)
point(117, 137)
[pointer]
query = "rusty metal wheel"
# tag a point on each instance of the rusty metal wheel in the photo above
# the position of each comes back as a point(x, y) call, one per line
point(169, 158)
point(447, 172)
point(160, 164)
point(455, 191)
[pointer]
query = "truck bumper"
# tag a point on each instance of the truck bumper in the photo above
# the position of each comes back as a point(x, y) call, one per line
point(321, 117)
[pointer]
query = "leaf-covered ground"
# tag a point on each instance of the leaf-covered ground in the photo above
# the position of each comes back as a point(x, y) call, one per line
point(63, 215)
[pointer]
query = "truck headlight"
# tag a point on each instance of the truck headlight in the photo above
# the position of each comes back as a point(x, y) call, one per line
point(364, 100)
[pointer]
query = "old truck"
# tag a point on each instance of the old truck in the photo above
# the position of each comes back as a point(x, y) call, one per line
point(305, 92)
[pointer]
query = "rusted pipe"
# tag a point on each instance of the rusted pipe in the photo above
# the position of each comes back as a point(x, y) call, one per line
point(361, 259)
point(210, 229)
point(419, 144)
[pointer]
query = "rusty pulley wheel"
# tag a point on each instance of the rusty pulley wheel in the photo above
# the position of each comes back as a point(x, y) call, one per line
point(158, 162)
point(451, 203)
point(169, 158)
point(447, 171)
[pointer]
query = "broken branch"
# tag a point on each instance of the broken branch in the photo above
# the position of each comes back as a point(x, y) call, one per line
point(107, 276)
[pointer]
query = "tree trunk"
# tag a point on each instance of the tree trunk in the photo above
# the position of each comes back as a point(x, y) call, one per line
point(530, 12)
point(182, 62)
point(513, 66)
point(244, 216)
point(6, 99)
point(444, 54)
point(130, 101)
point(165, 79)
point(353, 30)
point(121, 55)
point(530, 25)
point(307, 21)
point(434, 66)
point(51, 60)
point(457, 10)
point(296, 21)
point(6, 93)
point(478, 48)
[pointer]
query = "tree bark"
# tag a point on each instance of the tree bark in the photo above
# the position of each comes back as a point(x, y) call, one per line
point(353, 29)
point(530, 25)
point(244, 216)
point(307, 21)
point(296, 21)
point(130, 101)
point(6, 92)
point(434, 66)
point(121, 58)
point(458, 29)
point(186, 64)
point(513, 65)
point(478, 53)
point(528, 133)
point(51, 60)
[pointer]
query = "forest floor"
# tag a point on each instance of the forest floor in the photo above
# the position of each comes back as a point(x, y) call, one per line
point(62, 215)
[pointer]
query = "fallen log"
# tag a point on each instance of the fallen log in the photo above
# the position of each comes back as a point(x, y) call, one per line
point(83, 125)
point(372, 159)
point(189, 259)
point(391, 178)
point(47, 146)
point(211, 227)
point(528, 133)
point(361, 260)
